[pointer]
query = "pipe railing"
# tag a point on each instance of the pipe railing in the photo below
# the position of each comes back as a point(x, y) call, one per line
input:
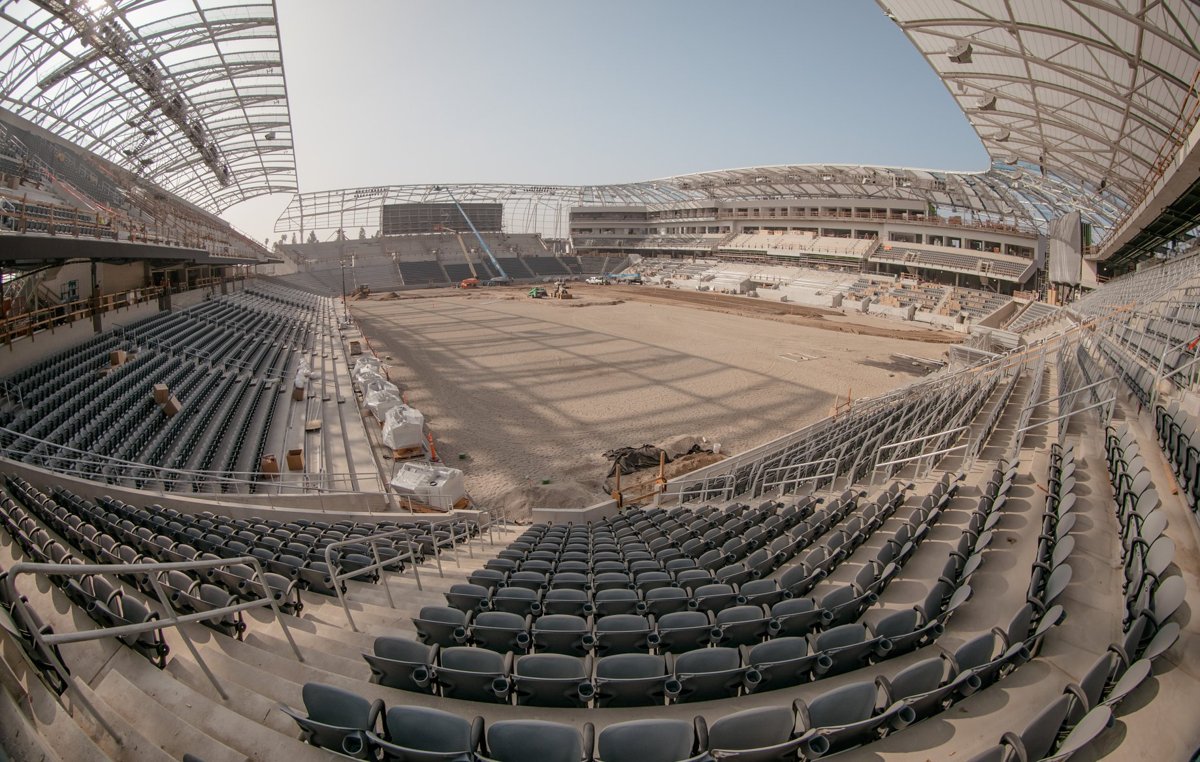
point(782, 484)
point(82, 464)
point(49, 641)
point(915, 440)
point(337, 577)
point(718, 485)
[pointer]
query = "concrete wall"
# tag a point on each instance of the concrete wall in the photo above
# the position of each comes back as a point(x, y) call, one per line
point(596, 512)
point(1002, 315)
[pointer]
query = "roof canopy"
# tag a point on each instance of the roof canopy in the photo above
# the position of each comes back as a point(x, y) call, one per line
point(1092, 90)
point(1016, 195)
point(190, 95)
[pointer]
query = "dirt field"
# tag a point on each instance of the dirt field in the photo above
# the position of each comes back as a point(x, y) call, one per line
point(534, 390)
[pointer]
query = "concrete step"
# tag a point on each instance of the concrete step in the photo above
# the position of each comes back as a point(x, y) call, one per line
point(184, 691)
point(34, 726)
point(170, 732)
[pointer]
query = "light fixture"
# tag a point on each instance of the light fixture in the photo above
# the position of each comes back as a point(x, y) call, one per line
point(960, 52)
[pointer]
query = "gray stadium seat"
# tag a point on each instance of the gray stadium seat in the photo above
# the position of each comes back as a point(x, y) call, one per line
point(630, 680)
point(647, 741)
point(337, 719)
point(552, 680)
point(522, 740)
point(422, 734)
point(402, 663)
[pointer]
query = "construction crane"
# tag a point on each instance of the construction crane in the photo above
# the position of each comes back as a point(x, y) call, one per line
point(482, 243)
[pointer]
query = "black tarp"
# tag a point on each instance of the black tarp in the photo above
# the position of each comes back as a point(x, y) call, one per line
point(630, 459)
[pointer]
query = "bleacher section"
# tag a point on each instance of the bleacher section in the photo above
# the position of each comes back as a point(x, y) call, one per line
point(976, 304)
point(422, 273)
point(546, 266)
point(692, 243)
point(1035, 313)
point(827, 592)
point(593, 265)
point(514, 268)
point(228, 362)
point(955, 260)
point(926, 296)
point(458, 272)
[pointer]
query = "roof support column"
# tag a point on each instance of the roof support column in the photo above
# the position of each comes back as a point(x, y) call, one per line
point(97, 327)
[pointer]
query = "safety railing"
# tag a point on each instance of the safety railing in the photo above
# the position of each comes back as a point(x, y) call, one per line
point(49, 641)
point(769, 483)
point(338, 577)
point(932, 455)
point(1161, 373)
point(82, 464)
point(718, 487)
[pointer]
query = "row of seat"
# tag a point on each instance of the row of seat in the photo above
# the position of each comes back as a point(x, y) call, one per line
point(853, 439)
point(560, 585)
point(1176, 429)
point(849, 715)
point(106, 605)
point(1084, 709)
point(211, 356)
point(292, 553)
point(1152, 587)
point(677, 635)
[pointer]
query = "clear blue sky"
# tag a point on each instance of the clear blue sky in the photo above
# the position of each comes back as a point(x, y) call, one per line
point(560, 91)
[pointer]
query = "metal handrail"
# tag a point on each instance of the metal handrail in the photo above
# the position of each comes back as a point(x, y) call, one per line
point(1076, 390)
point(89, 465)
point(767, 484)
point(338, 577)
point(728, 481)
point(955, 430)
point(1093, 406)
point(920, 456)
point(47, 641)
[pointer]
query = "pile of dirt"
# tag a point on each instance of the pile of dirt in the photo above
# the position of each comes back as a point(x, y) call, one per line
point(518, 503)
point(642, 481)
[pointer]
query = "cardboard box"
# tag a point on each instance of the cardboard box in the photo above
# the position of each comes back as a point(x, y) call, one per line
point(355, 348)
point(298, 393)
point(268, 465)
point(295, 460)
point(161, 394)
point(172, 406)
point(117, 357)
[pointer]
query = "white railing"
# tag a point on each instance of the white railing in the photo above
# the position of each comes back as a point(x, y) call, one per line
point(335, 492)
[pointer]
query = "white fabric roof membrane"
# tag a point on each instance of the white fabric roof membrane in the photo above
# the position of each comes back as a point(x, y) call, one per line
point(1092, 90)
point(188, 94)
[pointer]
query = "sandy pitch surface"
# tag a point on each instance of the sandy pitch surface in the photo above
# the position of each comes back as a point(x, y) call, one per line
point(533, 390)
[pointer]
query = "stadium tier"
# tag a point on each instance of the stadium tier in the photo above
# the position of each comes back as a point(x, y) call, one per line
point(935, 565)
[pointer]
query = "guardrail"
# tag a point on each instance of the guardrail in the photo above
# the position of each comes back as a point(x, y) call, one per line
point(330, 490)
point(782, 484)
point(373, 541)
point(920, 456)
point(48, 641)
